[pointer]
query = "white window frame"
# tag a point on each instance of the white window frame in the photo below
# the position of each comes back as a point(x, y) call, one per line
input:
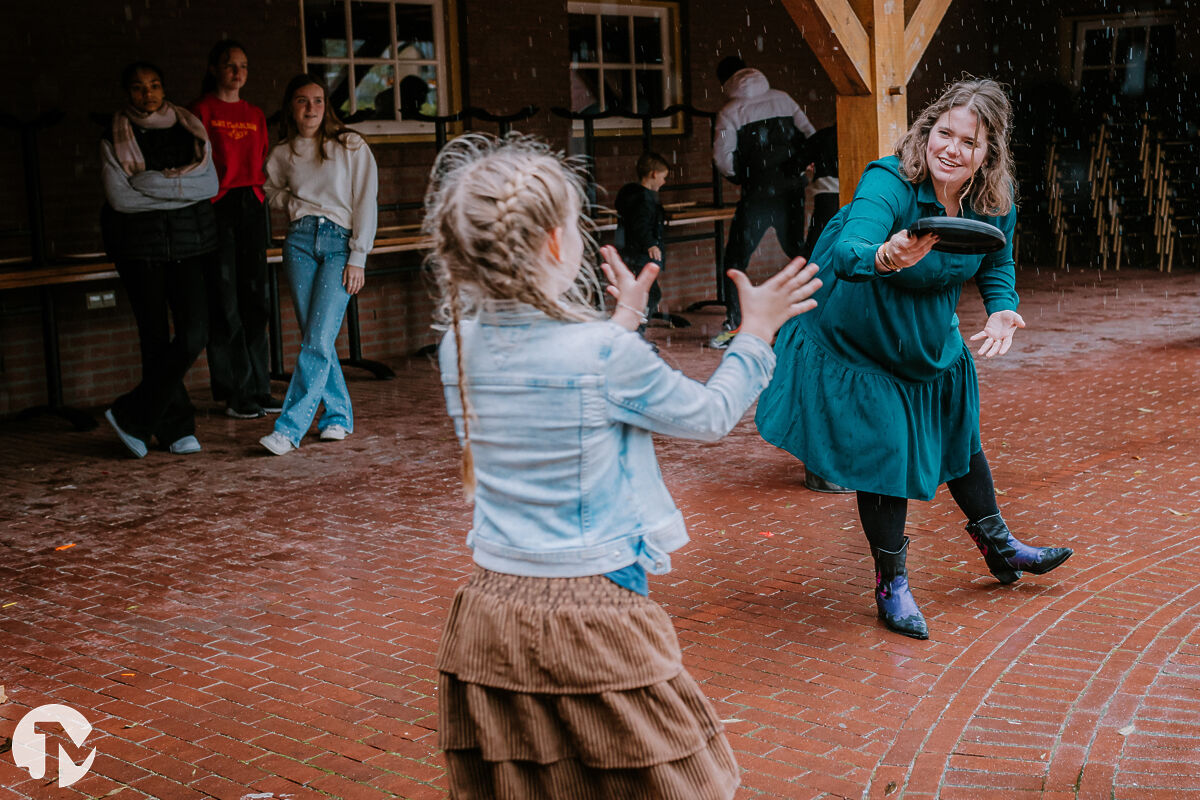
point(668, 15)
point(376, 127)
point(1085, 24)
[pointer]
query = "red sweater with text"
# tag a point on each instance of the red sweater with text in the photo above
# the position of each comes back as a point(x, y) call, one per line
point(238, 132)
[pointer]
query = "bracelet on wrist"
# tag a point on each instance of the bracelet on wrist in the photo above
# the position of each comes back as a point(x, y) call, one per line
point(641, 315)
point(885, 260)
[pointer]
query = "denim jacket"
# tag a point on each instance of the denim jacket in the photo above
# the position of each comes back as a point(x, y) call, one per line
point(562, 413)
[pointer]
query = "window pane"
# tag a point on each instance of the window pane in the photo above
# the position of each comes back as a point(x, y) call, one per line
point(336, 78)
point(414, 31)
point(617, 89)
point(418, 91)
point(1097, 48)
point(615, 34)
point(649, 91)
point(582, 33)
point(647, 40)
point(1160, 56)
point(585, 90)
point(325, 28)
point(374, 92)
point(1130, 43)
point(369, 24)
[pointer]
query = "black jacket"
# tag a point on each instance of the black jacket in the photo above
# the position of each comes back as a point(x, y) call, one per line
point(641, 224)
point(161, 235)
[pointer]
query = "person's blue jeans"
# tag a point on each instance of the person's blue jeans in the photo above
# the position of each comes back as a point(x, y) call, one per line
point(315, 254)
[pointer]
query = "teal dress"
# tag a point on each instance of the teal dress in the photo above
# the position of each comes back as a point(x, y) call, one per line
point(876, 389)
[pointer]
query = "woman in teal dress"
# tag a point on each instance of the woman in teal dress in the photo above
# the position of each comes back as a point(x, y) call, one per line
point(876, 389)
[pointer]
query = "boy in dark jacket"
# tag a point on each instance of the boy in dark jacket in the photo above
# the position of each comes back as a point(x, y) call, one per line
point(641, 221)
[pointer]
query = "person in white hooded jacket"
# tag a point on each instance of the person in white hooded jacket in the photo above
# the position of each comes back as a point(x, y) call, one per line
point(758, 142)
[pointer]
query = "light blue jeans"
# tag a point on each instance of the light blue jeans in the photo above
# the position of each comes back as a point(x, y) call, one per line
point(315, 253)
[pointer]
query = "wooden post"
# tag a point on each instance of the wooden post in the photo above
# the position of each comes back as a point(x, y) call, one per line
point(869, 53)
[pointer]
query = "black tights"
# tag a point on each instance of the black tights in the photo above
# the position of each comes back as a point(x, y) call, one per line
point(883, 516)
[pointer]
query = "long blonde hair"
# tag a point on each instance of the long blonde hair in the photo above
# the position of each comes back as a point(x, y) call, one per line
point(993, 193)
point(490, 208)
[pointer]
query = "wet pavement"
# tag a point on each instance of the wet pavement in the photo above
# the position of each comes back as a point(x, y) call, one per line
point(239, 625)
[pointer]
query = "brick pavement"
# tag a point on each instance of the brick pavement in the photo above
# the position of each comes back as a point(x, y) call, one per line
point(243, 626)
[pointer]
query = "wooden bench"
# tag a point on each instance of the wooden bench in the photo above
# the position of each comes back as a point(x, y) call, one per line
point(15, 273)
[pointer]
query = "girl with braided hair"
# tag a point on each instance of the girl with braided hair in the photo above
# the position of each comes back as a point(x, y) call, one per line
point(558, 676)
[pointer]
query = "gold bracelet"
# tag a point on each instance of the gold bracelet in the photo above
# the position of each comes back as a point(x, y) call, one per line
point(886, 259)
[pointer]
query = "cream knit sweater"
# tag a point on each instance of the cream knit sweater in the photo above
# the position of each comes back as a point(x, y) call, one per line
point(343, 188)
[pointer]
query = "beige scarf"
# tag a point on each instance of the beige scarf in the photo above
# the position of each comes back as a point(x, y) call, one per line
point(125, 143)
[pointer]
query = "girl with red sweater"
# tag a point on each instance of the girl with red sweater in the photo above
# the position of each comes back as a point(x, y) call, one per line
point(239, 302)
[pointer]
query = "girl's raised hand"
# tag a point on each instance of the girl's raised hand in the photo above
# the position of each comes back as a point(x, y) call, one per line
point(630, 291)
point(778, 299)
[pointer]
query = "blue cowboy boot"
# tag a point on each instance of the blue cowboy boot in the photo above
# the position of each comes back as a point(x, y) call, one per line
point(895, 602)
point(1007, 557)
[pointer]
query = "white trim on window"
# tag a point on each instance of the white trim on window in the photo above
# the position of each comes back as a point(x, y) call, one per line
point(400, 63)
point(1084, 25)
point(667, 15)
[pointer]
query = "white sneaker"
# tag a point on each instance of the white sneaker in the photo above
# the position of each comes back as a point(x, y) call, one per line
point(334, 433)
point(277, 443)
point(185, 445)
point(135, 445)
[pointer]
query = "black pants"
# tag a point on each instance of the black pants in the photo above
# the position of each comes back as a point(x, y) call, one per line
point(636, 263)
point(825, 205)
point(159, 405)
point(239, 301)
point(883, 516)
point(778, 205)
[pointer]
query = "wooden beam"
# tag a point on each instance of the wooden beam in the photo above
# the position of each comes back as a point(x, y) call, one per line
point(838, 39)
point(869, 127)
point(918, 33)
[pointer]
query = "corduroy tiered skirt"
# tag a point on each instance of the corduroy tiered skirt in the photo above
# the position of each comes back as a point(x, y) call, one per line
point(572, 688)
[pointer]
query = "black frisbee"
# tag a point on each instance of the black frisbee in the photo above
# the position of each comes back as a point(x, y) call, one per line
point(960, 235)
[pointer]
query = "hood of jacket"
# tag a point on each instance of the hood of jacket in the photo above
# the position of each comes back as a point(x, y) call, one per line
point(746, 83)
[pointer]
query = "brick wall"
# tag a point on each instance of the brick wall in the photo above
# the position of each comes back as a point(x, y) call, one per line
point(67, 55)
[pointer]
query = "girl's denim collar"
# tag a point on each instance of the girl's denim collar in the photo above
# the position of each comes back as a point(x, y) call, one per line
point(508, 312)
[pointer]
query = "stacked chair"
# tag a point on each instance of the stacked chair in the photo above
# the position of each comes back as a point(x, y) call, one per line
point(1130, 193)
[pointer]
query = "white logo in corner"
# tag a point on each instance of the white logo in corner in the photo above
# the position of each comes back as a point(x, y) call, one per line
point(29, 746)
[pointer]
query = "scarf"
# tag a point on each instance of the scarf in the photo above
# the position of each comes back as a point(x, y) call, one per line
point(125, 143)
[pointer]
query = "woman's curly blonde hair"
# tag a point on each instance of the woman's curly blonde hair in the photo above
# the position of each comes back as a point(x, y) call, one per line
point(990, 190)
point(491, 206)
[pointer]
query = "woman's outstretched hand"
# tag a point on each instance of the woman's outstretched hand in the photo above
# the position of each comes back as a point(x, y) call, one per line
point(778, 299)
point(997, 335)
point(630, 291)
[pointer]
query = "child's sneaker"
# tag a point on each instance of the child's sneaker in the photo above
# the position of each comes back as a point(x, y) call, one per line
point(334, 433)
point(722, 339)
point(277, 443)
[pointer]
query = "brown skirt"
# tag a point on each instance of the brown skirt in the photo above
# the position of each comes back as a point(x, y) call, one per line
point(572, 688)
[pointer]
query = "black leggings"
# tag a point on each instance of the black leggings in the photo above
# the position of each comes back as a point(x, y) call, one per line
point(883, 516)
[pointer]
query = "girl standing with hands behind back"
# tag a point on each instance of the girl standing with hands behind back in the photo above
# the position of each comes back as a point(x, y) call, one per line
point(558, 676)
point(239, 304)
point(324, 176)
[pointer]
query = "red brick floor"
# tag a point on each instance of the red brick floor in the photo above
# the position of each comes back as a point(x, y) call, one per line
point(237, 625)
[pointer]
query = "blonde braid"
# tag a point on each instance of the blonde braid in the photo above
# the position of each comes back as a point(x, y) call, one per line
point(468, 460)
point(490, 207)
